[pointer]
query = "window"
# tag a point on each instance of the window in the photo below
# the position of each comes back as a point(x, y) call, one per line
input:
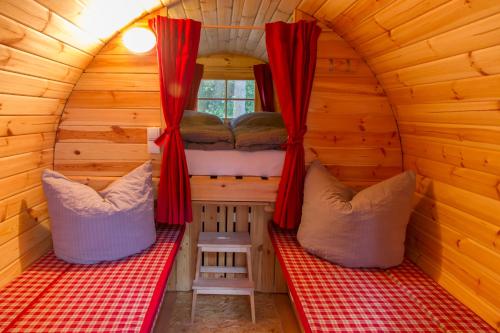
point(226, 98)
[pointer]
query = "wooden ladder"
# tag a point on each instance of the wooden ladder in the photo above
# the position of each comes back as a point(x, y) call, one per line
point(238, 242)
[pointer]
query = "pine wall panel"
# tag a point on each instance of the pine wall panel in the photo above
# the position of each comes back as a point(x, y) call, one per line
point(41, 57)
point(438, 62)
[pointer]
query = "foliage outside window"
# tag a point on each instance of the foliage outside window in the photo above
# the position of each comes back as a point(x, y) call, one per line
point(226, 98)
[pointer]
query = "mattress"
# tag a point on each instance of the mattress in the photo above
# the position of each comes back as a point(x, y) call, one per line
point(264, 163)
point(330, 298)
point(118, 296)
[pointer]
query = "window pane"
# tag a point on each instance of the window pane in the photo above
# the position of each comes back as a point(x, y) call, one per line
point(212, 89)
point(237, 108)
point(241, 89)
point(210, 106)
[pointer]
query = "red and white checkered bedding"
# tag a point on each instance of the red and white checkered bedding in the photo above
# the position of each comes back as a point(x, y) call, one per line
point(330, 298)
point(119, 296)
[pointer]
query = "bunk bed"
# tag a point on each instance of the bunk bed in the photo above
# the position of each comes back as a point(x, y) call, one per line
point(249, 145)
point(236, 162)
point(119, 296)
point(330, 298)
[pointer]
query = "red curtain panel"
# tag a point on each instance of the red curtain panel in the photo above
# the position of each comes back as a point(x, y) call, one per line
point(177, 48)
point(292, 51)
point(264, 81)
point(194, 87)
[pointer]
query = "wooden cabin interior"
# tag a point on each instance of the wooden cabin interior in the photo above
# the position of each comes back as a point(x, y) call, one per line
point(398, 85)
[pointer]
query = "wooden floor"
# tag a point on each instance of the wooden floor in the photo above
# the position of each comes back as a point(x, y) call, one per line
point(226, 314)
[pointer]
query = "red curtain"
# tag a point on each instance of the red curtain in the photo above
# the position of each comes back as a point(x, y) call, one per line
point(193, 89)
point(264, 80)
point(177, 48)
point(292, 51)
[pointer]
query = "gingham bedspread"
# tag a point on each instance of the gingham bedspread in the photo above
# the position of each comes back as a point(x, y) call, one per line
point(330, 298)
point(119, 296)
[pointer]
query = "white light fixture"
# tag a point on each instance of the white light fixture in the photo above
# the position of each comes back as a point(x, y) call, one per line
point(139, 40)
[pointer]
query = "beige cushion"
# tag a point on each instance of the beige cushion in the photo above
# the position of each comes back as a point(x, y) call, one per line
point(366, 229)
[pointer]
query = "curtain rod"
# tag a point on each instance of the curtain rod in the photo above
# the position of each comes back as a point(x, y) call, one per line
point(243, 27)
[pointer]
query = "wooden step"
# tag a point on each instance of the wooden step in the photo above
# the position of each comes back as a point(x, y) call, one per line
point(224, 241)
point(223, 286)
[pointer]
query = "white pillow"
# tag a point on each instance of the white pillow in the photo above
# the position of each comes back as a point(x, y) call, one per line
point(365, 229)
point(89, 226)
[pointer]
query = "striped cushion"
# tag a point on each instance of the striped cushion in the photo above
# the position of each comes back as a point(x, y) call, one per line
point(89, 226)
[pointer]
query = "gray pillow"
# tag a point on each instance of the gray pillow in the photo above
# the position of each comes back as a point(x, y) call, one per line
point(365, 229)
point(195, 118)
point(89, 226)
point(257, 119)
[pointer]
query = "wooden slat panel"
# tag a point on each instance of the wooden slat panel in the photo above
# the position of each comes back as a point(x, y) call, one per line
point(20, 203)
point(24, 162)
point(371, 124)
point(450, 15)
point(123, 64)
point(112, 117)
point(13, 227)
point(34, 15)
point(478, 182)
point(473, 89)
point(26, 39)
point(473, 64)
point(355, 156)
point(19, 84)
point(19, 125)
point(472, 133)
point(481, 231)
point(21, 245)
point(112, 81)
point(115, 134)
point(359, 13)
point(346, 138)
point(247, 189)
point(23, 105)
point(472, 113)
point(477, 35)
point(20, 182)
point(474, 204)
point(19, 144)
point(331, 9)
point(102, 151)
point(113, 99)
point(454, 153)
point(26, 63)
point(101, 168)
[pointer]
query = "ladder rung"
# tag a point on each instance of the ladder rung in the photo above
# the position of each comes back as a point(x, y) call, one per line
point(222, 269)
point(223, 284)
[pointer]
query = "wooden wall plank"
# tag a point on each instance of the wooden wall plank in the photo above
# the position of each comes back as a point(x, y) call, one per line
point(470, 37)
point(36, 16)
point(26, 63)
point(26, 39)
point(20, 84)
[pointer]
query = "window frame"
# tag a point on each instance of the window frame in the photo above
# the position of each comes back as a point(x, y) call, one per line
point(226, 99)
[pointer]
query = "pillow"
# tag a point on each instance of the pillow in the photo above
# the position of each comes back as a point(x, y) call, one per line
point(199, 118)
point(273, 119)
point(89, 226)
point(365, 229)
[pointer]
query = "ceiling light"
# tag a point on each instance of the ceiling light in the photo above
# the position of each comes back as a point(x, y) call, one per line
point(139, 40)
